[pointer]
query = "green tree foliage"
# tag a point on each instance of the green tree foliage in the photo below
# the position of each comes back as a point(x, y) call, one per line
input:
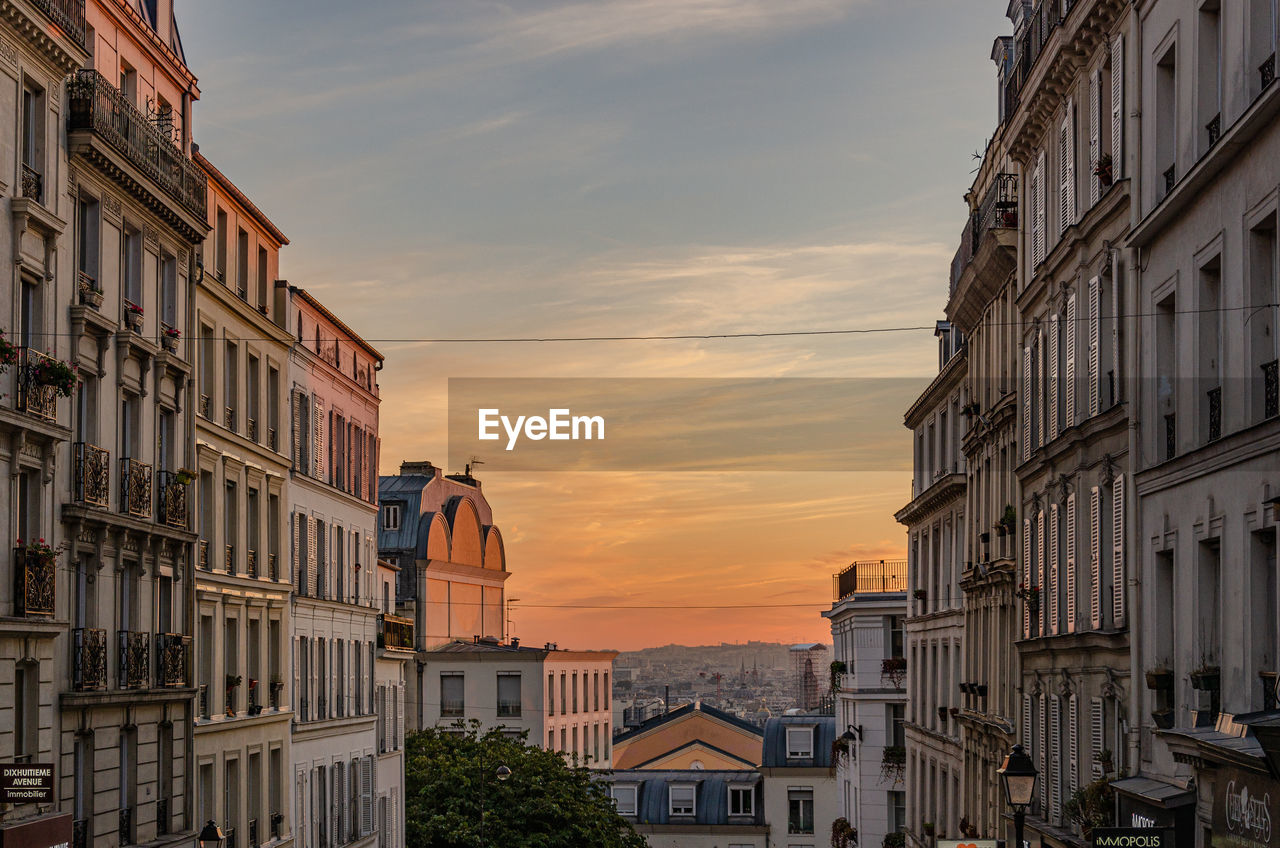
point(545, 803)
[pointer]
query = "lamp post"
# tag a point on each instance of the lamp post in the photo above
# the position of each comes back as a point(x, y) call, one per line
point(502, 773)
point(1018, 774)
point(211, 836)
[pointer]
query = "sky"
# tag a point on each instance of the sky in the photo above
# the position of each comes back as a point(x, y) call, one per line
point(621, 167)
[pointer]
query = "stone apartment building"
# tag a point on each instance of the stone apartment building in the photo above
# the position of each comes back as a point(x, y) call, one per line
point(243, 623)
point(867, 625)
point(395, 650)
point(335, 614)
point(935, 623)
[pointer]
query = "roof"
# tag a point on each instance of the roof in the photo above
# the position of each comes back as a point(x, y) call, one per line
point(237, 195)
point(1155, 791)
point(681, 712)
point(502, 649)
point(775, 741)
point(422, 494)
point(711, 795)
point(352, 335)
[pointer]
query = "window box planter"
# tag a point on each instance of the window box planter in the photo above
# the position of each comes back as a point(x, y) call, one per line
point(955, 711)
point(942, 713)
point(1206, 678)
point(1159, 678)
point(894, 670)
point(980, 689)
point(985, 537)
point(920, 595)
point(1163, 718)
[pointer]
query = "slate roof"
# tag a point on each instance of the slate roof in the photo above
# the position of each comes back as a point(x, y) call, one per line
point(680, 712)
point(775, 741)
point(711, 795)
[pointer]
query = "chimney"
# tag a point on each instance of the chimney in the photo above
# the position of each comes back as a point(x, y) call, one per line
point(421, 468)
point(515, 641)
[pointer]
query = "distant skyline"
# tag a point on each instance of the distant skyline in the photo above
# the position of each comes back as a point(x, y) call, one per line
point(620, 167)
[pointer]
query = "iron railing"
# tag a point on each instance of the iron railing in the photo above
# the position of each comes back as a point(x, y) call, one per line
point(229, 840)
point(251, 562)
point(162, 816)
point(1215, 413)
point(204, 563)
point(205, 404)
point(173, 499)
point(1271, 388)
point(68, 15)
point(32, 183)
point(204, 700)
point(80, 833)
point(998, 209)
point(1170, 436)
point(395, 633)
point(126, 826)
point(169, 337)
point(36, 398)
point(253, 833)
point(88, 658)
point(90, 294)
point(135, 487)
point(1267, 71)
point(273, 568)
point(277, 819)
point(869, 576)
point(229, 418)
point(1214, 129)
point(34, 578)
point(1170, 178)
point(229, 559)
point(1043, 21)
point(93, 475)
point(272, 441)
point(171, 660)
point(135, 657)
point(251, 429)
point(97, 105)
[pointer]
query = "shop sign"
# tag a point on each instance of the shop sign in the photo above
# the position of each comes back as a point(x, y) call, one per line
point(26, 783)
point(1244, 810)
point(1133, 837)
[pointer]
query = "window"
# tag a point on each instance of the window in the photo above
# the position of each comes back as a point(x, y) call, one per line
point(32, 141)
point(897, 811)
point(133, 265)
point(681, 799)
point(624, 798)
point(220, 246)
point(741, 800)
point(551, 693)
point(262, 280)
point(129, 82)
point(799, 743)
point(391, 517)
point(89, 246)
point(897, 733)
point(452, 701)
point(168, 290)
point(800, 810)
point(26, 710)
point(895, 636)
point(508, 694)
point(242, 264)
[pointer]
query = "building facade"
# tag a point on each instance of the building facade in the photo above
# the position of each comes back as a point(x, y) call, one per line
point(244, 712)
point(935, 623)
point(798, 783)
point(870, 672)
point(692, 736)
point(395, 650)
point(335, 612)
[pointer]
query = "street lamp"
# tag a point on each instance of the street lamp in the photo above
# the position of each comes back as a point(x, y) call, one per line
point(503, 773)
point(1018, 774)
point(211, 836)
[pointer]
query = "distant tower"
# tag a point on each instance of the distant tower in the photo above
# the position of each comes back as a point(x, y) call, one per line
point(805, 658)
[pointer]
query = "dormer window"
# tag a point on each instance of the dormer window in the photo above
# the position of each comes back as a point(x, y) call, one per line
point(682, 798)
point(624, 799)
point(391, 517)
point(799, 743)
point(741, 800)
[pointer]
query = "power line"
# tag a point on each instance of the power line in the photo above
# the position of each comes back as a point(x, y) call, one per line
point(668, 606)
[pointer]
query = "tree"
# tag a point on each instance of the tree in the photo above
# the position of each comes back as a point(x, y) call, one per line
point(544, 803)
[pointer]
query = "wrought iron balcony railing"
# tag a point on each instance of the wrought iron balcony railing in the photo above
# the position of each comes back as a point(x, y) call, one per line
point(253, 833)
point(171, 660)
point(97, 105)
point(273, 441)
point(998, 209)
point(1214, 129)
point(89, 658)
point(93, 475)
point(395, 633)
point(229, 560)
point(206, 403)
point(1271, 389)
point(90, 294)
point(251, 429)
point(173, 499)
point(203, 699)
point(1170, 436)
point(33, 582)
point(204, 563)
point(68, 15)
point(126, 826)
point(229, 418)
point(32, 183)
point(135, 487)
point(251, 562)
point(1215, 413)
point(871, 576)
point(273, 567)
point(36, 398)
point(135, 657)
point(80, 833)
point(229, 839)
point(1170, 178)
point(162, 816)
point(1267, 71)
point(277, 819)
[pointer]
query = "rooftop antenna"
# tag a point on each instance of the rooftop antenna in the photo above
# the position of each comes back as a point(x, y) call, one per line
point(475, 460)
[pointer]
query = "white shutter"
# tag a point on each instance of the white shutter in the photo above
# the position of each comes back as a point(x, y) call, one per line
point(399, 695)
point(311, 556)
point(1066, 171)
point(373, 782)
point(1071, 359)
point(1053, 570)
point(366, 484)
point(1037, 213)
point(317, 458)
point(1054, 389)
point(1117, 106)
point(336, 770)
point(297, 550)
point(1071, 563)
point(1026, 571)
point(1026, 402)
point(1055, 758)
point(1095, 134)
point(1117, 552)
point(366, 797)
point(1097, 734)
point(1044, 755)
point(1073, 744)
point(1027, 741)
point(1095, 329)
point(1042, 614)
point(1095, 558)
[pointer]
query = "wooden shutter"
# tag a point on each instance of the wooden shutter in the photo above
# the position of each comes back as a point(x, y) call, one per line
point(366, 483)
point(298, 569)
point(1026, 402)
point(1054, 389)
point(1026, 572)
point(311, 556)
point(317, 457)
point(1042, 614)
point(1071, 563)
point(1066, 170)
point(1117, 106)
point(1095, 134)
point(1117, 552)
point(1095, 558)
point(399, 715)
point(1071, 359)
point(336, 770)
point(1097, 735)
point(1027, 740)
point(1055, 758)
point(1053, 569)
point(366, 798)
point(295, 412)
point(1095, 331)
point(1073, 744)
point(1037, 213)
point(1044, 754)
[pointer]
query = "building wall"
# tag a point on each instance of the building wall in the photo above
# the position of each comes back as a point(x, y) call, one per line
point(696, 727)
point(778, 784)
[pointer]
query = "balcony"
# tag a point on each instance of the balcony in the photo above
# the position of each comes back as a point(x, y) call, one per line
point(135, 488)
point(253, 833)
point(203, 699)
point(88, 658)
point(162, 816)
point(37, 396)
point(171, 660)
point(135, 657)
point(126, 826)
point(229, 837)
point(206, 403)
point(90, 294)
point(173, 499)
point(1043, 21)
point(272, 441)
point(68, 15)
point(273, 567)
point(32, 183)
point(1214, 129)
point(395, 633)
point(80, 833)
point(251, 562)
point(1271, 389)
point(203, 564)
point(229, 559)
point(229, 418)
point(871, 577)
point(251, 429)
point(1267, 71)
point(34, 569)
point(93, 475)
point(1215, 413)
point(978, 264)
point(99, 107)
